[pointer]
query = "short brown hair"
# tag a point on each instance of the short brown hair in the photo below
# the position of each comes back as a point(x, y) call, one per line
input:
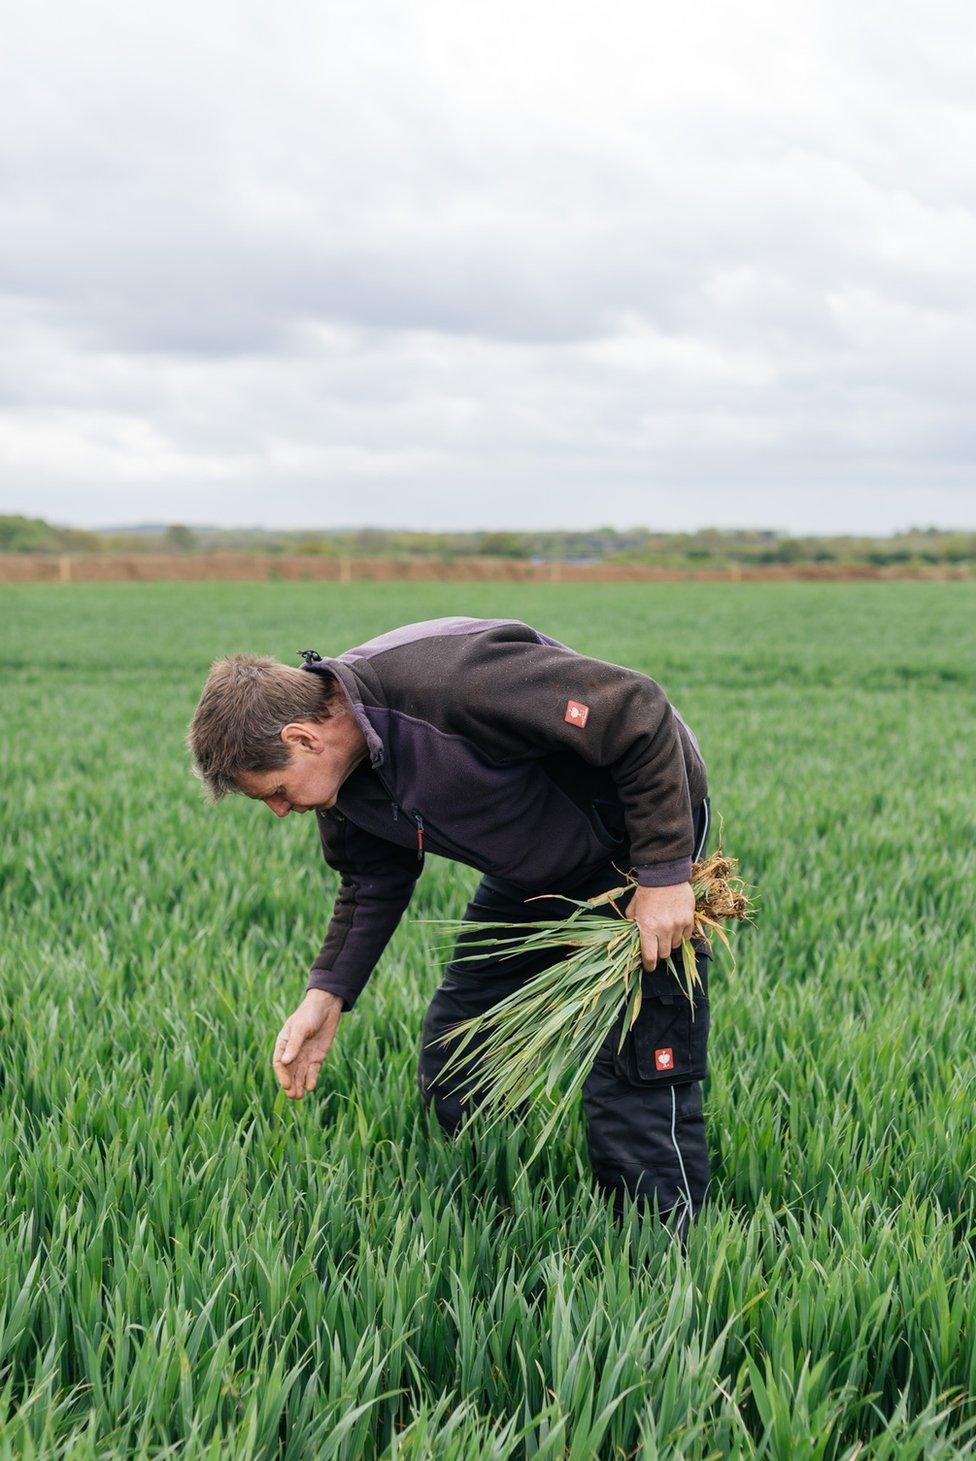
point(247, 700)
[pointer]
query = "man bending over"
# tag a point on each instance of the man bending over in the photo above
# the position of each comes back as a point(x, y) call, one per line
point(488, 742)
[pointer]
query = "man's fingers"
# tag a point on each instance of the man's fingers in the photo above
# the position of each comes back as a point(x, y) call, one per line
point(655, 947)
point(286, 1073)
point(669, 944)
point(303, 1043)
point(290, 1081)
point(281, 1043)
point(299, 1075)
point(284, 1076)
point(296, 1040)
point(281, 1071)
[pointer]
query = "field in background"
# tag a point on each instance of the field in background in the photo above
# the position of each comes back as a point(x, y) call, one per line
point(189, 1259)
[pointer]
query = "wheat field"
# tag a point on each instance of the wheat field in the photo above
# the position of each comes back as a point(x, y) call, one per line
point(192, 1265)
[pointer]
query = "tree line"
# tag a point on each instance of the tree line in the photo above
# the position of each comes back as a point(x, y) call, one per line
point(706, 547)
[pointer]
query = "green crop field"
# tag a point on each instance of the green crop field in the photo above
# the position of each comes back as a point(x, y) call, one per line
point(192, 1265)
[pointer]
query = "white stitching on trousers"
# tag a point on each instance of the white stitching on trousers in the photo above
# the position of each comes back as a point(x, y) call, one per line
point(674, 1143)
point(703, 839)
point(704, 836)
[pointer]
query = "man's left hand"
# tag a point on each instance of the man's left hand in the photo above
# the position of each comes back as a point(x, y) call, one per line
point(665, 916)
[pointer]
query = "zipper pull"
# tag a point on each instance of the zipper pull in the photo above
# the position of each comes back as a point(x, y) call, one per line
point(420, 836)
point(396, 811)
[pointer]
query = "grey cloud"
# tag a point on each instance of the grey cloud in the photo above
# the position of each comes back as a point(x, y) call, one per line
point(352, 254)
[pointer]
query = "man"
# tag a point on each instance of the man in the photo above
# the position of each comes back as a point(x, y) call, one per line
point(486, 741)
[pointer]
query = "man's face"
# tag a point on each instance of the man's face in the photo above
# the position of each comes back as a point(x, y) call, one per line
point(323, 753)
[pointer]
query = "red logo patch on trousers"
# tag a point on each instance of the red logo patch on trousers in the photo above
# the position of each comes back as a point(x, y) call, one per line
point(664, 1059)
point(576, 713)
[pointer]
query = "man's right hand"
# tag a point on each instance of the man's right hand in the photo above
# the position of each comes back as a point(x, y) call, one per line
point(303, 1042)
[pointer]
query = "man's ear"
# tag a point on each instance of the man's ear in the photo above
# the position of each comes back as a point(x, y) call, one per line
point(300, 736)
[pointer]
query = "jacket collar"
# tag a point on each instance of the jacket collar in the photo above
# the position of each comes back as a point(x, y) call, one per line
point(348, 683)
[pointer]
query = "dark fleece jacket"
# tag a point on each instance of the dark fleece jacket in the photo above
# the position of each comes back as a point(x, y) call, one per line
point(497, 746)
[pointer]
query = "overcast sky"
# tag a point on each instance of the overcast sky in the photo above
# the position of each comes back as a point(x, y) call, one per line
point(489, 263)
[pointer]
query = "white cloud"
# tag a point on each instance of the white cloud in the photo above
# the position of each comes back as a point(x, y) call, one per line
point(489, 264)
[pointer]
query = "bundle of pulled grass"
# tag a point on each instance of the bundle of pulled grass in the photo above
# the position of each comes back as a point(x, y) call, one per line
point(537, 1044)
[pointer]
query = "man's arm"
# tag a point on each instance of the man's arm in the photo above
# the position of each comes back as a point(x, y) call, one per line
point(378, 879)
point(515, 695)
point(518, 694)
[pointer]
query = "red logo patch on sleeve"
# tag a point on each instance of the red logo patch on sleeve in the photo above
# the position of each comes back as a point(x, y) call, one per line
point(664, 1059)
point(576, 713)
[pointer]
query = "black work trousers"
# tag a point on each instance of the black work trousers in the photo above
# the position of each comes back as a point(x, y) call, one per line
point(642, 1104)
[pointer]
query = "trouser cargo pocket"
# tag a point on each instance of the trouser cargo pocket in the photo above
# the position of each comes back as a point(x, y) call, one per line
point(668, 1043)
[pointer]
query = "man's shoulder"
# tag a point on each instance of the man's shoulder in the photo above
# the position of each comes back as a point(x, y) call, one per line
point(451, 627)
point(435, 669)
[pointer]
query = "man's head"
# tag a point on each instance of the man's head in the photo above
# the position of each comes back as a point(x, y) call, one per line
point(273, 732)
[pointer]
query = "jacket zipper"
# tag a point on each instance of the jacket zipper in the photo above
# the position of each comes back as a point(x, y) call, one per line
point(448, 846)
point(420, 828)
point(450, 849)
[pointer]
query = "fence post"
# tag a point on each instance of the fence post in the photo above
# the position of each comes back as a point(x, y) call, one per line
point(555, 572)
point(345, 569)
point(64, 569)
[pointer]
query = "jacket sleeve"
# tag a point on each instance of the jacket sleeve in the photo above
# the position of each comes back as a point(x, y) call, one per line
point(518, 694)
point(378, 879)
